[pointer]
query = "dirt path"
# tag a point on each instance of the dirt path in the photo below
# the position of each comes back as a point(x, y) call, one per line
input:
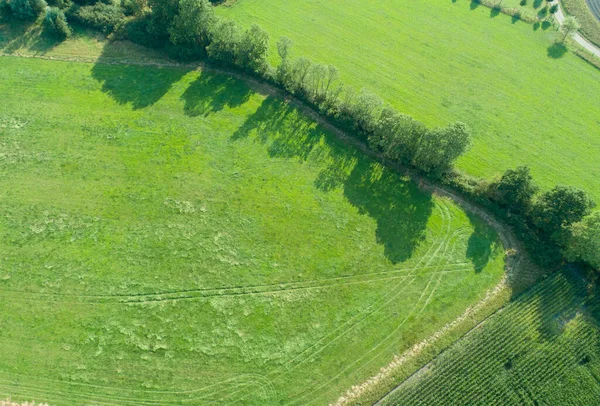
point(515, 259)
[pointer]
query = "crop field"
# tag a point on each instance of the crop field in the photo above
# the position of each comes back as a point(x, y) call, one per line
point(542, 349)
point(527, 100)
point(171, 236)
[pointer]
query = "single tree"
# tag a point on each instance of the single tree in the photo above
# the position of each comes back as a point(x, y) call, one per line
point(560, 207)
point(440, 147)
point(584, 244)
point(27, 9)
point(284, 46)
point(162, 16)
point(224, 42)
point(569, 26)
point(253, 49)
point(515, 189)
point(55, 23)
point(193, 23)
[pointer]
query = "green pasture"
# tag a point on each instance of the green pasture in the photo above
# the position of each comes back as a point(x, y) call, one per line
point(542, 349)
point(169, 236)
point(527, 99)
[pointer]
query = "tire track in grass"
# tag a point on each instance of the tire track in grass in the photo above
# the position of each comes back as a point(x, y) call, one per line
point(246, 385)
point(446, 223)
point(248, 380)
point(390, 335)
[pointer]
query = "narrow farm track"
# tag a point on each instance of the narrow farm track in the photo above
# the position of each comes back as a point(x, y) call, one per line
point(234, 390)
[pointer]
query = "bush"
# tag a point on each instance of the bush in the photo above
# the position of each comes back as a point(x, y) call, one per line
point(27, 9)
point(514, 190)
point(133, 7)
point(559, 208)
point(584, 244)
point(100, 16)
point(55, 24)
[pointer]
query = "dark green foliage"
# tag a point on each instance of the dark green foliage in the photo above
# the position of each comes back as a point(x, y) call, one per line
point(584, 243)
point(440, 147)
point(363, 111)
point(225, 40)
point(55, 24)
point(514, 190)
point(252, 49)
point(62, 4)
point(163, 14)
point(27, 9)
point(100, 16)
point(133, 7)
point(193, 23)
point(560, 207)
point(397, 135)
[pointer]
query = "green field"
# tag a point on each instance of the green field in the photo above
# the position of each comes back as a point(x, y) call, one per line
point(542, 349)
point(170, 236)
point(527, 101)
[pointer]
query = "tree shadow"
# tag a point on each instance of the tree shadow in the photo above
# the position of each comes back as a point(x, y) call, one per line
point(537, 3)
point(557, 50)
point(495, 12)
point(18, 35)
point(515, 18)
point(474, 4)
point(399, 208)
point(139, 86)
point(480, 244)
point(212, 92)
point(546, 24)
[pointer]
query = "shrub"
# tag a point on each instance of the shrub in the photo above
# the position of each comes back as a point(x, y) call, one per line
point(27, 9)
point(514, 190)
point(55, 24)
point(558, 209)
point(252, 49)
point(133, 7)
point(584, 244)
point(100, 16)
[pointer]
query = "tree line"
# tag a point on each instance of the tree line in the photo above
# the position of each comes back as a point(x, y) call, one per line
point(556, 224)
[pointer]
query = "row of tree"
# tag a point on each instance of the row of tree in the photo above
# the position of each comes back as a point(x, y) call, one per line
point(560, 218)
point(557, 221)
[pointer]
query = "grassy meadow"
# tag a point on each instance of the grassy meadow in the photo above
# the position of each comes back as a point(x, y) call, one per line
point(170, 236)
point(528, 100)
point(542, 349)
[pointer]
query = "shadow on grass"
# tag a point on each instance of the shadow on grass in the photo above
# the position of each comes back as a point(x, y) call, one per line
point(557, 50)
point(19, 35)
point(400, 209)
point(495, 12)
point(480, 244)
point(474, 5)
point(211, 93)
point(139, 86)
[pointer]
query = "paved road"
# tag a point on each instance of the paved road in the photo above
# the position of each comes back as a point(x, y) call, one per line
point(560, 17)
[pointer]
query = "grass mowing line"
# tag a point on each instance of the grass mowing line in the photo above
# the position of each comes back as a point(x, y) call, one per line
point(390, 335)
point(150, 298)
point(130, 400)
point(218, 292)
